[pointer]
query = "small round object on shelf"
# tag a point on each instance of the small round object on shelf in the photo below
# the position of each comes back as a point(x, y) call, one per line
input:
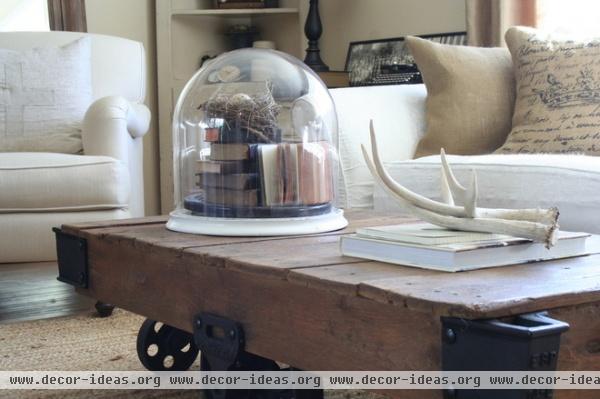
point(255, 135)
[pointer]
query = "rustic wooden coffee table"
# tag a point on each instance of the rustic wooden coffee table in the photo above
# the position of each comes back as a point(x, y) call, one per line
point(298, 301)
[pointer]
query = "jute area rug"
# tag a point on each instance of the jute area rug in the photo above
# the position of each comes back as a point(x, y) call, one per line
point(86, 342)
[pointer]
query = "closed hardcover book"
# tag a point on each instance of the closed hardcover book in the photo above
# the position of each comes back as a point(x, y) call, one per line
point(212, 134)
point(222, 196)
point(234, 181)
point(224, 167)
point(232, 151)
point(425, 234)
point(467, 255)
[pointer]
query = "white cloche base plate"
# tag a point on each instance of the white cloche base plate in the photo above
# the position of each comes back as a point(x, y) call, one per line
point(184, 222)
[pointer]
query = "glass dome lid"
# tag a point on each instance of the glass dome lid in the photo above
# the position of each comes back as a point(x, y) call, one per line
point(254, 153)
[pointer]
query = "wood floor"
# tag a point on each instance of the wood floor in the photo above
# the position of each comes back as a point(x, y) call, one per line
point(30, 291)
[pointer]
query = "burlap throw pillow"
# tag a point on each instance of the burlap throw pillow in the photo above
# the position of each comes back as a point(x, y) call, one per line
point(470, 97)
point(557, 109)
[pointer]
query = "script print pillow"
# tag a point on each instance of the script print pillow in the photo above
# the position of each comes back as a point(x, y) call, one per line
point(557, 109)
point(44, 94)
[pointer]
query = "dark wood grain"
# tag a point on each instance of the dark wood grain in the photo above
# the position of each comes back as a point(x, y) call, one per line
point(30, 291)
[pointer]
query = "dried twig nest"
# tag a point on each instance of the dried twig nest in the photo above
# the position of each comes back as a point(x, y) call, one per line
point(254, 112)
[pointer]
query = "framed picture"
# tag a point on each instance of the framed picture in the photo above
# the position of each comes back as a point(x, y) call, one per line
point(388, 61)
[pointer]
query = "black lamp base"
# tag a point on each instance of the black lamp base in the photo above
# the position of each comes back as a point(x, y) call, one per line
point(313, 30)
point(314, 61)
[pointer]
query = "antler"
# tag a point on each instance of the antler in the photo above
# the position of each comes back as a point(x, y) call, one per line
point(536, 224)
point(445, 189)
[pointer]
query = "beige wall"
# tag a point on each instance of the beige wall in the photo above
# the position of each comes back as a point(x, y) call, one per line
point(345, 21)
point(135, 19)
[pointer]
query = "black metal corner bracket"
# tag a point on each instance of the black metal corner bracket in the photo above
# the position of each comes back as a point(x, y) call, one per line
point(528, 342)
point(72, 259)
point(220, 340)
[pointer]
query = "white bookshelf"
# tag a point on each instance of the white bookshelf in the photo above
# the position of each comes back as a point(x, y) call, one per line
point(187, 30)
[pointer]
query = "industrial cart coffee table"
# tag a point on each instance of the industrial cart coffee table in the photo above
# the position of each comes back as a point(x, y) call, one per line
point(296, 300)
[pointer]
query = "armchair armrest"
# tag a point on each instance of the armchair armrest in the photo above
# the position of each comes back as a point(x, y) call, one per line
point(110, 123)
point(114, 126)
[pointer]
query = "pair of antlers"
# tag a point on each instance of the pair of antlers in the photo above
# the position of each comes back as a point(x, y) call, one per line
point(536, 224)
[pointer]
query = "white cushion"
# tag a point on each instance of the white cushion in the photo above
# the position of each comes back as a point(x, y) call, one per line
point(41, 182)
point(28, 237)
point(398, 114)
point(51, 142)
point(44, 91)
point(571, 183)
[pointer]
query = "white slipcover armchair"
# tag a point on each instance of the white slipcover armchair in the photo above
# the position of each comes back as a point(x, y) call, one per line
point(42, 190)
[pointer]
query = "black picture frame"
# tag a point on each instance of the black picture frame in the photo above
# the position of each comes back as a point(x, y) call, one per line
point(388, 61)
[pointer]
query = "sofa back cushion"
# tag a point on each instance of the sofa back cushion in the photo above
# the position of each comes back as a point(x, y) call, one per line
point(45, 93)
point(398, 114)
point(558, 93)
point(511, 181)
point(470, 97)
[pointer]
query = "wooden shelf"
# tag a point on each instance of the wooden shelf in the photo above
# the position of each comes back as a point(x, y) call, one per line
point(236, 12)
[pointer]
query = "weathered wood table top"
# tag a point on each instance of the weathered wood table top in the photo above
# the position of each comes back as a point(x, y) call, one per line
point(316, 261)
point(298, 295)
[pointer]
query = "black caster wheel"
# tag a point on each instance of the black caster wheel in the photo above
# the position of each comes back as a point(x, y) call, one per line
point(247, 362)
point(104, 309)
point(164, 348)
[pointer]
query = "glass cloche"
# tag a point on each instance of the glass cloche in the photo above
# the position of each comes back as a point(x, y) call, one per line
point(254, 154)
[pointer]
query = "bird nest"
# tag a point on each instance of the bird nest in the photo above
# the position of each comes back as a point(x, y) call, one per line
point(252, 112)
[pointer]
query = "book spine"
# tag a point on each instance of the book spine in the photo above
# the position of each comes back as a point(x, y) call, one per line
point(227, 197)
point(232, 152)
point(235, 135)
point(235, 181)
point(225, 167)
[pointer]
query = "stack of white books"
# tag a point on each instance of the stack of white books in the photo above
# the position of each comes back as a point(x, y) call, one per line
point(431, 247)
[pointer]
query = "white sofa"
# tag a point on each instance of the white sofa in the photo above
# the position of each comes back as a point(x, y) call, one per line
point(570, 182)
point(42, 190)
